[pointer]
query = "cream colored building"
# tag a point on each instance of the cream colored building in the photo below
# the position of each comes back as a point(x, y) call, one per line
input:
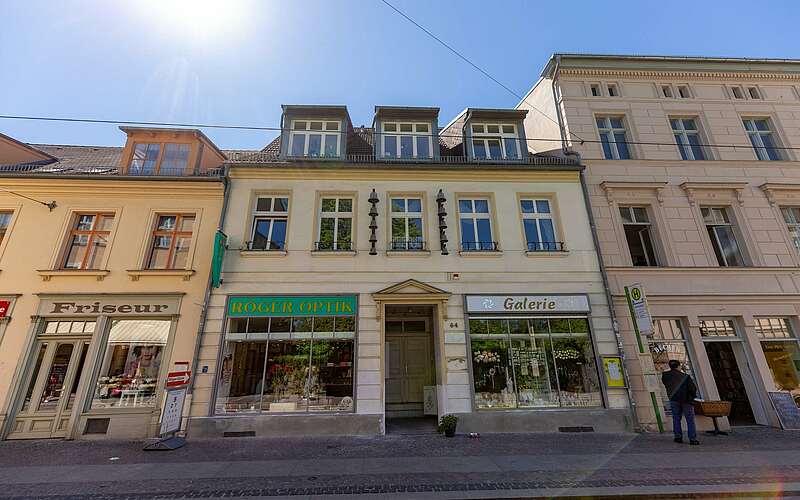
point(105, 255)
point(694, 180)
point(391, 271)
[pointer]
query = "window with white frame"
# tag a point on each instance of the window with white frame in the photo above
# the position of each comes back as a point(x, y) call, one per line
point(594, 88)
point(270, 217)
point(737, 92)
point(613, 137)
point(684, 92)
point(723, 238)
point(666, 91)
point(315, 138)
point(754, 93)
point(537, 222)
point(687, 137)
point(407, 140)
point(791, 215)
point(613, 90)
point(495, 141)
point(762, 138)
point(407, 221)
point(638, 234)
point(335, 224)
point(717, 328)
point(476, 225)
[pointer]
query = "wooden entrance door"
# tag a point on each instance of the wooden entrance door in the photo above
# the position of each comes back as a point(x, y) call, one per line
point(409, 368)
point(50, 387)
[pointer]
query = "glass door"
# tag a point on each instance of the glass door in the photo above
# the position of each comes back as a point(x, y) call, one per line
point(51, 385)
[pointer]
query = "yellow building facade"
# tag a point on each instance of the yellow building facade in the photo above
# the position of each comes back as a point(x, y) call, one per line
point(104, 266)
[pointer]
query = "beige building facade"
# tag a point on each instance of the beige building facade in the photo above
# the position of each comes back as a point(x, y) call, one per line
point(105, 254)
point(694, 183)
point(403, 271)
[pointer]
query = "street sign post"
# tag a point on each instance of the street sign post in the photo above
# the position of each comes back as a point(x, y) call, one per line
point(643, 325)
point(172, 411)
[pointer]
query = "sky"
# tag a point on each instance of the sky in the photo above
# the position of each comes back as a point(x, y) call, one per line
point(235, 62)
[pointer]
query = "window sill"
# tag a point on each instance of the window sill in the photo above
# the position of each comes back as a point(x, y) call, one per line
point(333, 253)
point(47, 274)
point(480, 253)
point(263, 253)
point(135, 274)
point(408, 253)
point(562, 253)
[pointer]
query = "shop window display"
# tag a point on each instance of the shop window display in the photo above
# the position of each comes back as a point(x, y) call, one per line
point(533, 363)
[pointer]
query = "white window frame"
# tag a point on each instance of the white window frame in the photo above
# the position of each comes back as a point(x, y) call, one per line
point(406, 215)
point(500, 136)
point(271, 214)
point(592, 87)
point(612, 140)
point(684, 133)
point(759, 95)
point(538, 216)
point(791, 217)
point(742, 94)
point(683, 86)
point(722, 222)
point(613, 89)
point(666, 91)
point(337, 215)
point(396, 135)
point(755, 136)
point(648, 224)
point(475, 216)
point(307, 132)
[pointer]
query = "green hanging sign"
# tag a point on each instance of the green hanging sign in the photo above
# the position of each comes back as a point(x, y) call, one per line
point(220, 243)
point(293, 305)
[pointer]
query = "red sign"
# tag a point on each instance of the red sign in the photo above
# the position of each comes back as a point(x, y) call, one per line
point(177, 379)
point(4, 305)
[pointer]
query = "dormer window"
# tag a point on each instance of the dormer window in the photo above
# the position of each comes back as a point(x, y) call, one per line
point(492, 141)
point(407, 140)
point(159, 159)
point(315, 138)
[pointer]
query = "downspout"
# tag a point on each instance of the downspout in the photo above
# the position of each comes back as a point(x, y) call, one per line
point(561, 128)
point(204, 313)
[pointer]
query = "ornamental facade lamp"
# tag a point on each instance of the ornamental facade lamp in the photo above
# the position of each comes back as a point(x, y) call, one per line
point(440, 201)
point(373, 225)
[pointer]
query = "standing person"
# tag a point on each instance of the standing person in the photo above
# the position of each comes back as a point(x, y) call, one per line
point(681, 390)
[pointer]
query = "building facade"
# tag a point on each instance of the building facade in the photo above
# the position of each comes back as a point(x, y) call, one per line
point(105, 255)
point(403, 270)
point(693, 175)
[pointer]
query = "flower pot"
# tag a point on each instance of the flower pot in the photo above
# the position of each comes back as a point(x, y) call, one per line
point(450, 432)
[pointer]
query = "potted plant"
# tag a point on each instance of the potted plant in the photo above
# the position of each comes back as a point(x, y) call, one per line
point(448, 424)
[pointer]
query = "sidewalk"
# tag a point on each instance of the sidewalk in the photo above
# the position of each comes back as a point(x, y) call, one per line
point(752, 462)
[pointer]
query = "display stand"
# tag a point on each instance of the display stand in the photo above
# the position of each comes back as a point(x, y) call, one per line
point(170, 422)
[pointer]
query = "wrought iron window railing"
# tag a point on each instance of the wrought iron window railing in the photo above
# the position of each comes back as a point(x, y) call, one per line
point(333, 246)
point(263, 246)
point(479, 246)
point(408, 245)
point(546, 246)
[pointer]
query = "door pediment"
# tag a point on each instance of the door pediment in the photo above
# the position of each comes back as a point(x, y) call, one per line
point(411, 291)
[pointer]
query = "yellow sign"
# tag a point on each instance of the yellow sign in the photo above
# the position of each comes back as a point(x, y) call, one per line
point(612, 367)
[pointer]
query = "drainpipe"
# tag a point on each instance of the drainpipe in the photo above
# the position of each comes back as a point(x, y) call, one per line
point(204, 313)
point(561, 128)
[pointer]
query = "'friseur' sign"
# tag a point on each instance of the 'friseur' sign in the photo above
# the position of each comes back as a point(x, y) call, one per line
point(300, 305)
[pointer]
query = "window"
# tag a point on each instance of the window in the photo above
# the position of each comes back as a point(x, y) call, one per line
point(87, 241)
point(613, 90)
point(335, 224)
point(406, 218)
point(687, 137)
point(683, 92)
point(717, 328)
point(666, 90)
point(476, 225)
point(773, 329)
point(407, 140)
point(636, 223)
point(537, 222)
point(595, 89)
point(5, 221)
point(159, 159)
point(791, 215)
point(269, 224)
point(737, 92)
point(753, 93)
point(533, 363)
point(319, 139)
point(491, 141)
point(613, 138)
point(781, 351)
point(131, 364)
point(172, 238)
point(668, 342)
point(720, 230)
point(762, 138)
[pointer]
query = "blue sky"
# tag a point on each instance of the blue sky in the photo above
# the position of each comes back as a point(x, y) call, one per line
point(237, 61)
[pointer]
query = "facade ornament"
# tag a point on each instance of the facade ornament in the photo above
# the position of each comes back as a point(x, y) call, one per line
point(440, 201)
point(373, 224)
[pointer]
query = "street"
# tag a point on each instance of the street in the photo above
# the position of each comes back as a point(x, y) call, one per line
point(752, 462)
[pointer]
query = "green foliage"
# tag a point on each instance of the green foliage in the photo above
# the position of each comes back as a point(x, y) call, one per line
point(448, 422)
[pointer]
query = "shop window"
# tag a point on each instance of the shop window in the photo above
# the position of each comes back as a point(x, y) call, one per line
point(335, 224)
point(270, 218)
point(668, 342)
point(406, 215)
point(782, 353)
point(722, 235)
point(5, 221)
point(476, 225)
point(171, 240)
point(88, 239)
point(129, 371)
point(533, 363)
point(537, 222)
point(717, 328)
point(639, 235)
point(288, 365)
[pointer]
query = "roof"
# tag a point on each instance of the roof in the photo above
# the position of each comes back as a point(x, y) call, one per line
point(26, 147)
point(194, 131)
point(90, 160)
point(407, 112)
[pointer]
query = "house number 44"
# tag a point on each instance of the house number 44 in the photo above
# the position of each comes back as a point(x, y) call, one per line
point(454, 324)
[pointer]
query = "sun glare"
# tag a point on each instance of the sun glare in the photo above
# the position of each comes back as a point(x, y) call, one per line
point(198, 19)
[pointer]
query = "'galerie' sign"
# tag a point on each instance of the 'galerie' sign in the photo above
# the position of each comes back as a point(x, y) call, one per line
point(333, 305)
point(528, 304)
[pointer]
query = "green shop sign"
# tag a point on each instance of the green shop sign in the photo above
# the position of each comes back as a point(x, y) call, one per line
point(302, 305)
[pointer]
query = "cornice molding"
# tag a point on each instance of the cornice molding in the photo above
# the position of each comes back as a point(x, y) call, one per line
point(691, 75)
point(657, 187)
point(692, 188)
point(773, 191)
